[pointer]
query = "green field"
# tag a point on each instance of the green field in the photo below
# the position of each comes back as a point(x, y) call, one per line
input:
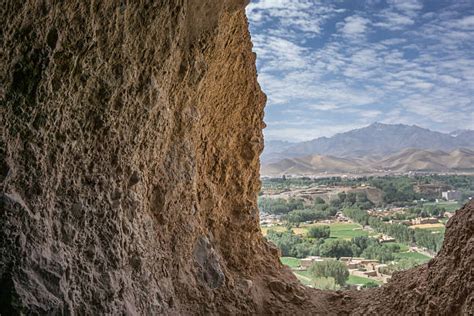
point(347, 230)
point(354, 279)
point(338, 230)
point(449, 206)
point(290, 261)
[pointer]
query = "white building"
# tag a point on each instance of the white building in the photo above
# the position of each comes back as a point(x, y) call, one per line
point(451, 195)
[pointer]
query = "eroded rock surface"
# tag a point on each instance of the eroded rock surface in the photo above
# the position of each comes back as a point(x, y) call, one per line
point(130, 137)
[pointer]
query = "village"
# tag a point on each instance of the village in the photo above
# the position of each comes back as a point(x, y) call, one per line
point(399, 229)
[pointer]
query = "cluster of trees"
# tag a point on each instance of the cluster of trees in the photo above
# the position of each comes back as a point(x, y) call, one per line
point(331, 275)
point(400, 232)
point(424, 211)
point(352, 199)
point(330, 269)
point(307, 213)
point(357, 214)
point(315, 213)
point(292, 245)
point(323, 231)
point(381, 252)
point(279, 206)
point(417, 211)
point(429, 240)
point(396, 190)
point(459, 182)
point(295, 211)
point(370, 248)
point(336, 248)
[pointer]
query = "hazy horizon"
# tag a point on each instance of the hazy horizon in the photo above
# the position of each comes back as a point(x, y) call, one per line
point(363, 126)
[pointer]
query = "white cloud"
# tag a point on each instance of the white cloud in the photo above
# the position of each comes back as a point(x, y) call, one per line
point(409, 6)
point(305, 16)
point(394, 21)
point(464, 23)
point(355, 25)
point(421, 73)
point(323, 107)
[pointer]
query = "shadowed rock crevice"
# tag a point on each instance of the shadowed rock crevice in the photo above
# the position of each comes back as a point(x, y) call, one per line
point(131, 135)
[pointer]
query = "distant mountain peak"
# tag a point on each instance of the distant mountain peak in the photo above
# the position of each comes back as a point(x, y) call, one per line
point(375, 139)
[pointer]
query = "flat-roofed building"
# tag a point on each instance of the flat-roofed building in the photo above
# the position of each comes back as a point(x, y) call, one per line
point(451, 195)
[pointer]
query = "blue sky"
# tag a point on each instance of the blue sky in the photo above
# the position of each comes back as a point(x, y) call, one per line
point(332, 66)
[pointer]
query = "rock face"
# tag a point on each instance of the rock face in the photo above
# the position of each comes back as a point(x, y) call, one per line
point(129, 157)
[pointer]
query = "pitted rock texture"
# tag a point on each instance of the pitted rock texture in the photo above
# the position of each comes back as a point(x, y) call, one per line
point(131, 133)
point(129, 158)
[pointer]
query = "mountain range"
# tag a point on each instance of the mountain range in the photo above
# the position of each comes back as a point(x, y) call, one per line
point(412, 159)
point(375, 139)
point(377, 148)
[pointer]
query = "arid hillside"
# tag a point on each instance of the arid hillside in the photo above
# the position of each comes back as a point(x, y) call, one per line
point(130, 142)
point(459, 160)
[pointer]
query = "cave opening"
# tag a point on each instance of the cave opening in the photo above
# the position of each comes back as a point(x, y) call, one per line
point(354, 189)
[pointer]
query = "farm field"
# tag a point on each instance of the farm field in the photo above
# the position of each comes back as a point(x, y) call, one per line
point(347, 231)
point(290, 261)
point(434, 228)
point(338, 230)
point(449, 206)
point(354, 279)
point(428, 226)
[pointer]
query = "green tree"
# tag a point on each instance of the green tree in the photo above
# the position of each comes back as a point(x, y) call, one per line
point(319, 231)
point(360, 243)
point(299, 216)
point(301, 250)
point(331, 268)
point(286, 241)
point(325, 284)
point(336, 248)
point(319, 200)
point(379, 252)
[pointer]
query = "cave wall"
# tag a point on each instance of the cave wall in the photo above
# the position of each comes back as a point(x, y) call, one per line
point(130, 142)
